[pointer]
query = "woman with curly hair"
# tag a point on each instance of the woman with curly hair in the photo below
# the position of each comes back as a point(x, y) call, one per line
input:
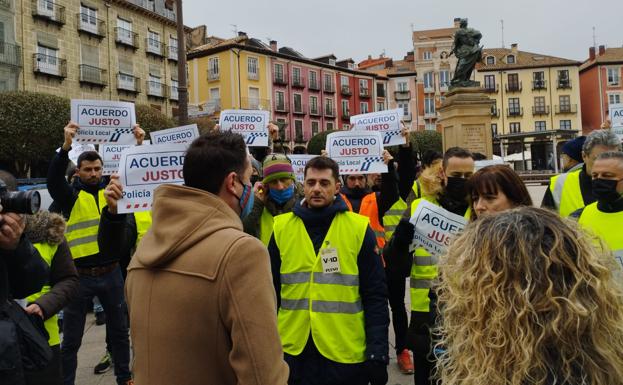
point(532, 302)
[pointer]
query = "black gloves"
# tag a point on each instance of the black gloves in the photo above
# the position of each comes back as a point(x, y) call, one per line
point(404, 232)
point(377, 372)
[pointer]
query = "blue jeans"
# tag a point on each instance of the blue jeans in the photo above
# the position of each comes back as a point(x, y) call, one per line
point(109, 288)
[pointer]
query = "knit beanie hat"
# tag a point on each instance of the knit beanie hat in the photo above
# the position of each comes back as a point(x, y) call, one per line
point(277, 166)
point(573, 148)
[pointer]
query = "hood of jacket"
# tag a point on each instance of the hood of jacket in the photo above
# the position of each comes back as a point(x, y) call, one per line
point(45, 227)
point(182, 217)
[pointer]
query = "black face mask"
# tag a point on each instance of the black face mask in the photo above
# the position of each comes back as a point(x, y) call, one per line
point(455, 188)
point(605, 190)
point(254, 179)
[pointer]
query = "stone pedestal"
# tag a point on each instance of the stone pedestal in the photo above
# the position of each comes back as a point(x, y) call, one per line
point(465, 116)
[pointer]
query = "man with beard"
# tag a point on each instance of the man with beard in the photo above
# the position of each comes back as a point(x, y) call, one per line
point(99, 272)
point(457, 167)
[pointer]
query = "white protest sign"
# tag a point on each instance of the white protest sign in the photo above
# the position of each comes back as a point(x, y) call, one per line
point(182, 134)
point(103, 121)
point(143, 168)
point(357, 152)
point(251, 124)
point(111, 155)
point(298, 164)
point(386, 122)
point(435, 227)
point(616, 119)
point(76, 150)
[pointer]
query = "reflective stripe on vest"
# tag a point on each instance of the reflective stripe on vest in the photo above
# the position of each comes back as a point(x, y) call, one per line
point(392, 217)
point(566, 192)
point(266, 226)
point(47, 252)
point(369, 208)
point(143, 223)
point(606, 226)
point(423, 270)
point(83, 224)
point(327, 305)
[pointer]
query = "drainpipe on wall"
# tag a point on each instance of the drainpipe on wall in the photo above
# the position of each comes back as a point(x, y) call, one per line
point(601, 100)
point(239, 86)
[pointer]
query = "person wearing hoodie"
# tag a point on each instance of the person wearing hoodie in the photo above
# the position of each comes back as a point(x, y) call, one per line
point(99, 273)
point(331, 295)
point(451, 195)
point(201, 302)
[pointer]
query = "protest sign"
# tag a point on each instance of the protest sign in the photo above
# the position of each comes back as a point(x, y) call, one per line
point(386, 122)
point(616, 119)
point(298, 164)
point(435, 227)
point(111, 155)
point(357, 152)
point(182, 134)
point(143, 168)
point(103, 121)
point(251, 124)
point(76, 150)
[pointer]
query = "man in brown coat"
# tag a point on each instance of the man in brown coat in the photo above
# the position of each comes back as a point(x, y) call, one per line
point(202, 305)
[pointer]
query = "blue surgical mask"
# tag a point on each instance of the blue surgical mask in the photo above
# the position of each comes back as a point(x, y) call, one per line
point(281, 196)
point(246, 199)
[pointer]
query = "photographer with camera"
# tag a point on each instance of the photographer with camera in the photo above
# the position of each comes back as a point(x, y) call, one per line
point(22, 273)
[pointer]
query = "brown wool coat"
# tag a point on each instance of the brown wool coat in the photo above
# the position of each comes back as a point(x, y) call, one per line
point(201, 299)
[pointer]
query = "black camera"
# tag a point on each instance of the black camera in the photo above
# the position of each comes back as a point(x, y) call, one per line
point(19, 202)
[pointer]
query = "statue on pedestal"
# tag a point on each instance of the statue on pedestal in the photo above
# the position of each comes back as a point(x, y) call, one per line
point(468, 51)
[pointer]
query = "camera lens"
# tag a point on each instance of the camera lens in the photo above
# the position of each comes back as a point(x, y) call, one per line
point(21, 202)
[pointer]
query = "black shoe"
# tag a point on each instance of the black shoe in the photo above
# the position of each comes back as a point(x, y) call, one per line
point(104, 365)
point(100, 318)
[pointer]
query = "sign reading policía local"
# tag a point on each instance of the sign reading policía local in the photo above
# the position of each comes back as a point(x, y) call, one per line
point(357, 152)
point(103, 121)
point(143, 168)
point(386, 122)
point(251, 124)
point(299, 161)
point(616, 119)
point(182, 134)
point(435, 227)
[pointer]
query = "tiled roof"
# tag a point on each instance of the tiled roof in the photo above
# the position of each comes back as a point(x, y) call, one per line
point(611, 56)
point(433, 34)
point(523, 59)
point(372, 62)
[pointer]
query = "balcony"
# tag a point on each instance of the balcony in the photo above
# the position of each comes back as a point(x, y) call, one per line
point(514, 87)
point(280, 80)
point(495, 112)
point(345, 115)
point(10, 54)
point(126, 37)
point(315, 110)
point(443, 87)
point(173, 93)
point(329, 88)
point(364, 93)
point(213, 75)
point(540, 110)
point(49, 65)
point(564, 84)
point(253, 75)
point(212, 106)
point(515, 111)
point(172, 53)
point(402, 95)
point(299, 109)
point(380, 92)
point(406, 117)
point(430, 114)
point(156, 89)
point(254, 104)
point(345, 90)
point(128, 83)
point(281, 106)
point(298, 138)
point(539, 85)
point(298, 82)
point(91, 25)
point(567, 109)
point(48, 11)
point(429, 89)
point(93, 75)
point(154, 47)
point(491, 88)
point(314, 85)
point(329, 112)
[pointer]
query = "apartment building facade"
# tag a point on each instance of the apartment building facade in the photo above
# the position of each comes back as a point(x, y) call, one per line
point(94, 49)
point(10, 49)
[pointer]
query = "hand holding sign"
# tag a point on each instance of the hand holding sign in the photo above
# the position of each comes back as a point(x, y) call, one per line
point(112, 193)
point(139, 134)
point(70, 131)
point(357, 152)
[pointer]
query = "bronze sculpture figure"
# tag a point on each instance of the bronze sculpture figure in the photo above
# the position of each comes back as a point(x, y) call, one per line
point(467, 49)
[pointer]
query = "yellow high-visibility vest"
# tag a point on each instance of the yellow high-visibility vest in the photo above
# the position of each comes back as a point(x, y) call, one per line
point(266, 226)
point(83, 224)
point(143, 223)
point(607, 226)
point(566, 192)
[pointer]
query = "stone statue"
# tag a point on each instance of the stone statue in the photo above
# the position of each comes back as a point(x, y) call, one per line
point(468, 51)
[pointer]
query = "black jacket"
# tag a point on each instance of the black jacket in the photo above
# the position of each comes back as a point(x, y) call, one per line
point(372, 287)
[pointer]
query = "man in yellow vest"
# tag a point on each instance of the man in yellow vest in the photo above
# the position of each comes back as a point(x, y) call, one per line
point(605, 217)
point(571, 191)
point(100, 275)
point(332, 299)
point(457, 167)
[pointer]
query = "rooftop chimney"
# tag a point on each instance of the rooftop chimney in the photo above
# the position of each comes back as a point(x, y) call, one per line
point(273, 45)
point(602, 50)
point(591, 53)
point(514, 47)
point(242, 34)
point(369, 57)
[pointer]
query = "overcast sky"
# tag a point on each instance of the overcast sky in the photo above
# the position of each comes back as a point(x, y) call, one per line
point(349, 28)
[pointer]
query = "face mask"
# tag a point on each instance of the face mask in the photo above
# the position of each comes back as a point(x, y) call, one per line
point(455, 189)
point(281, 196)
point(245, 200)
point(605, 190)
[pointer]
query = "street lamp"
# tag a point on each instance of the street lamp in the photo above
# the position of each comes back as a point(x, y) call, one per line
point(182, 89)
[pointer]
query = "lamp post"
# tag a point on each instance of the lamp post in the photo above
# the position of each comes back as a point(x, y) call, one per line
point(182, 89)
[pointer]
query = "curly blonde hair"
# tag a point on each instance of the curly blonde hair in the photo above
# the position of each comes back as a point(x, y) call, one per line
point(526, 298)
